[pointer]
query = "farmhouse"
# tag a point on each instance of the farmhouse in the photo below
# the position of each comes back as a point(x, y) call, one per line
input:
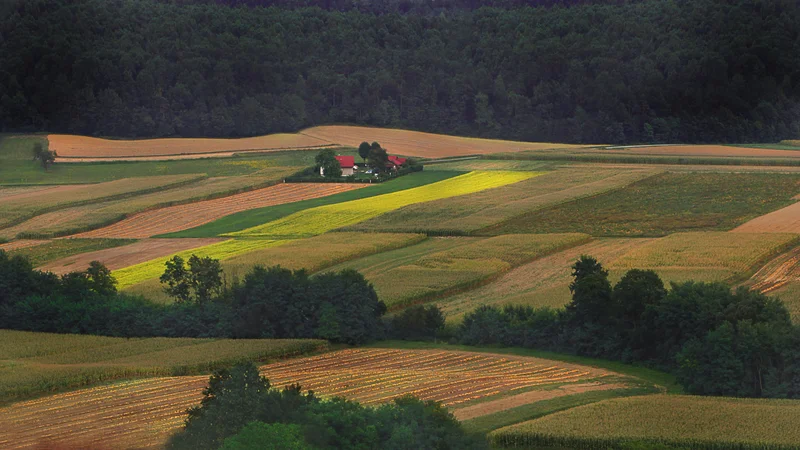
point(395, 162)
point(347, 163)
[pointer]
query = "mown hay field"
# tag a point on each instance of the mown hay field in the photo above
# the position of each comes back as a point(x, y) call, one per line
point(182, 217)
point(312, 254)
point(319, 220)
point(424, 145)
point(784, 220)
point(71, 146)
point(543, 282)
point(663, 204)
point(440, 265)
point(18, 207)
point(677, 420)
point(82, 218)
point(33, 364)
point(153, 268)
point(128, 252)
point(155, 408)
point(49, 251)
point(469, 213)
point(469, 165)
point(707, 256)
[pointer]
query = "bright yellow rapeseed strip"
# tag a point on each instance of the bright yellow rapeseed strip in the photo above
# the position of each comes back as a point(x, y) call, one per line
point(221, 250)
point(321, 219)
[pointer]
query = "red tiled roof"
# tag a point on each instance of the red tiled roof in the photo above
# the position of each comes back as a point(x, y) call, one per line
point(346, 162)
point(396, 160)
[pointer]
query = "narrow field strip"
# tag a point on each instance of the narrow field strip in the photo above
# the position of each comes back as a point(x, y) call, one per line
point(673, 420)
point(137, 273)
point(326, 218)
point(183, 217)
point(127, 255)
point(20, 244)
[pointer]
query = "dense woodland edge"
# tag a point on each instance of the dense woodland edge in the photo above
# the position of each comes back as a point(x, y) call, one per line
point(683, 71)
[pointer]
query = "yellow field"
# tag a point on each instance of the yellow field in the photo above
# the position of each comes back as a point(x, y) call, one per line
point(154, 408)
point(321, 219)
point(689, 255)
point(676, 420)
point(221, 250)
point(37, 363)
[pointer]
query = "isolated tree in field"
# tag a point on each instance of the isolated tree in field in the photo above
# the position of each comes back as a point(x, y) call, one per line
point(363, 150)
point(326, 159)
point(200, 281)
point(45, 157)
point(377, 158)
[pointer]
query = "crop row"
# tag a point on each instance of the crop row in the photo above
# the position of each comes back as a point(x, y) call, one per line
point(321, 219)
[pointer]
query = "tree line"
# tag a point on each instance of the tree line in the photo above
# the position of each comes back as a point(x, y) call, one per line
point(692, 71)
point(716, 341)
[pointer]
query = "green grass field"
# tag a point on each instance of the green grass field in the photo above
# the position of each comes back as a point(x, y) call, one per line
point(33, 364)
point(664, 204)
point(467, 213)
point(255, 217)
point(694, 422)
point(440, 265)
point(61, 248)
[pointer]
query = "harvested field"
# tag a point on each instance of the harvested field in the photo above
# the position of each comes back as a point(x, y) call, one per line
point(19, 207)
point(784, 220)
point(543, 282)
point(676, 420)
point(469, 213)
point(126, 255)
point(312, 254)
point(70, 146)
point(469, 165)
point(53, 250)
point(424, 145)
point(663, 204)
point(777, 273)
point(154, 408)
point(20, 244)
point(80, 218)
point(439, 265)
point(704, 150)
point(14, 192)
point(137, 273)
point(183, 217)
point(321, 219)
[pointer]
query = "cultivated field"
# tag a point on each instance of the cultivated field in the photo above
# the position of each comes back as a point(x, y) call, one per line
point(777, 273)
point(20, 244)
point(706, 256)
point(45, 252)
point(663, 204)
point(693, 422)
point(469, 213)
point(155, 408)
point(153, 268)
point(312, 254)
point(33, 364)
point(784, 220)
point(543, 282)
point(439, 265)
point(68, 146)
point(424, 145)
point(319, 220)
point(183, 217)
point(117, 257)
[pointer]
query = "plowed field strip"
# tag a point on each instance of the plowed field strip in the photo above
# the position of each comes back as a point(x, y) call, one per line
point(146, 412)
point(777, 273)
point(127, 255)
point(183, 217)
point(784, 220)
point(21, 243)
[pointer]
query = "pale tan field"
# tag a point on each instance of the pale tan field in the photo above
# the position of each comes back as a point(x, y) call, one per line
point(78, 219)
point(19, 244)
point(70, 146)
point(704, 150)
point(127, 255)
point(183, 217)
point(18, 192)
point(784, 220)
point(468, 213)
point(424, 145)
point(543, 282)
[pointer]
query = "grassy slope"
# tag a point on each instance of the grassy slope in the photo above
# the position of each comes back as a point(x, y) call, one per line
point(664, 204)
point(33, 364)
point(62, 248)
point(255, 217)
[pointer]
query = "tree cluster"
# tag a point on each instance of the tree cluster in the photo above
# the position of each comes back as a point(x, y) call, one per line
point(717, 341)
point(692, 71)
point(268, 303)
point(241, 410)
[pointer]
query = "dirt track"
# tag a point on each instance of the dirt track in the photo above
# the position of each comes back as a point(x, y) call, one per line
point(784, 220)
point(127, 255)
point(183, 217)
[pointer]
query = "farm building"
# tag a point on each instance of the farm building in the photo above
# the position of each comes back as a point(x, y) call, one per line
point(347, 163)
point(395, 162)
